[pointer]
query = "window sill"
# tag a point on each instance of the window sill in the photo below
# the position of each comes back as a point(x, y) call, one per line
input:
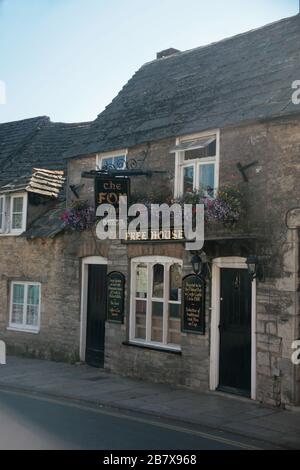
point(23, 330)
point(12, 234)
point(153, 347)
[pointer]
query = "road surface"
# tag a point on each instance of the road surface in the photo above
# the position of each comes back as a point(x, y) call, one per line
point(36, 422)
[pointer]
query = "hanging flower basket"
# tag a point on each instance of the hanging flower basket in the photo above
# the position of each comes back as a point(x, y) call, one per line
point(226, 207)
point(80, 216)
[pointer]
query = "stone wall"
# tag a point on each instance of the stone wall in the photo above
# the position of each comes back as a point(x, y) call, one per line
point(47, 262)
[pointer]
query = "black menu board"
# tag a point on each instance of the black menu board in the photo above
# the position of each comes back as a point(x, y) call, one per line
point(115, 297)
point(193, 316)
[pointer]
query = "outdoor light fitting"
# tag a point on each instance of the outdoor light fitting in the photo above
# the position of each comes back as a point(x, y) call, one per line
point(255, 268)
point(197, 264)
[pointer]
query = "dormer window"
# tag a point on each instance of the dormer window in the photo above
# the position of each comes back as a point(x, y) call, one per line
point(13, 213)
point(197, 161)
point(112, 161)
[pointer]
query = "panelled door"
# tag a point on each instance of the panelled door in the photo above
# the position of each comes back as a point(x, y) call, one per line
point(235, 332)
point(96, 314)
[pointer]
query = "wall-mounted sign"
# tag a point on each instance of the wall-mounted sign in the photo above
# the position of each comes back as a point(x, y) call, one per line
point(108, 190)
point(155, 235)
point(115, 297)
point(193, 317)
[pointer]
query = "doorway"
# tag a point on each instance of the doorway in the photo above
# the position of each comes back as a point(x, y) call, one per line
point(93, 310)
point(233, 327)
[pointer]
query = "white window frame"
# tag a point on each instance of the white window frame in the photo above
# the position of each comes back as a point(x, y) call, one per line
point(167, 262)
point(22, 326)
point(6, 229)
point(2, 225)
point(104, 156)
point(180, 163)
point(18, 231)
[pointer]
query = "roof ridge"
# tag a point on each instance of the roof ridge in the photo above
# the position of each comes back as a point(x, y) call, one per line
point(35, 118)
point(229, 38)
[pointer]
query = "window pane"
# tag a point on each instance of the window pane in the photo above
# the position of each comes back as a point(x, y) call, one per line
point(17, 314)
point(119, 162)
point(207, 177)
point(32, 315)
point(158, 281)
point(141, 281)
point(157, 322)
point(174, 324)
point(18, 293)
point(17, 221)
point(188, 179)
point(140, 319)
point(175, 282)
point(33, 295)
point(17, 303)
point(106, 163)
point(17, 204)
point(208, 151)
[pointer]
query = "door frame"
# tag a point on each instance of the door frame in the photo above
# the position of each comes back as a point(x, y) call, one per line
point(233, 263)
point(84, 299)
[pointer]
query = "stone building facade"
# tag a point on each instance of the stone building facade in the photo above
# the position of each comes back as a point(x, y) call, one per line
point(255, 148)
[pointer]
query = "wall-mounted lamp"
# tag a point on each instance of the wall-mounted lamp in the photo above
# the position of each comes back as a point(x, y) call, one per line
point(255, 268)
point(197, 264)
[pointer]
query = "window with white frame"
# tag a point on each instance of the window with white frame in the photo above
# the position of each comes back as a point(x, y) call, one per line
point(13, 213)
point(114, 160)
point(197, 164)
point(25, 306)
point(156, 302)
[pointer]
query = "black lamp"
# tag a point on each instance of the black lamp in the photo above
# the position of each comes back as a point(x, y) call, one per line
point(255, 268)
point(197, 264)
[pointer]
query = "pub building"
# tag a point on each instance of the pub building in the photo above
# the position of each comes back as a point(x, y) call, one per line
point(215, 121)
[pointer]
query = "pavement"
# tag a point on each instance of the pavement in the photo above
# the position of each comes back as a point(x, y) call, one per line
point(273, 427)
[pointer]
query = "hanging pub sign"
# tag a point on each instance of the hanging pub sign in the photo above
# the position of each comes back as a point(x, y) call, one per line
point(109, 190)
point(115, 297)
point(193, 316)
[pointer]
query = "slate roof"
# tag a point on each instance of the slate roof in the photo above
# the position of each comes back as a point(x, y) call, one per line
point(35, 142)
point(244, 78)
point(48, 225)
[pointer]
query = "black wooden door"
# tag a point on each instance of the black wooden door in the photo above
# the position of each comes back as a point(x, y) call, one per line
point(96, 315)
point(235, 331)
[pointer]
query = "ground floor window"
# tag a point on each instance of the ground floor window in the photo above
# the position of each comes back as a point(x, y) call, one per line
point(25, 306)
point(155, 301)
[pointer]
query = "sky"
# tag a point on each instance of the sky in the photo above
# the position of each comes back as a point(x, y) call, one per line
point(68, 59)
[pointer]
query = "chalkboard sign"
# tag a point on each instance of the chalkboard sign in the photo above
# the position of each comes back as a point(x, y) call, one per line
point(193, 320)
point(115, 297)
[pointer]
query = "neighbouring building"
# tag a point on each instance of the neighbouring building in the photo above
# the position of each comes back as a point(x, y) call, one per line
point(217, 119)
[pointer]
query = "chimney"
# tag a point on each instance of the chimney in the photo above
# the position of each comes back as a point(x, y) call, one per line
point(166, 53)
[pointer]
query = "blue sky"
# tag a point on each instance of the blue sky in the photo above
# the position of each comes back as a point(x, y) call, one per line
point(68, 58)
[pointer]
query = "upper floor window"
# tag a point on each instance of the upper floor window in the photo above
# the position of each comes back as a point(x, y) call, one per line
point(155, 304)
point(197, 164)
point(112, 161)
point(25, 306)
point(13, 212)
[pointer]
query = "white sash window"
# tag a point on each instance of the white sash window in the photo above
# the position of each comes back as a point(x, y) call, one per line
point(197, 164)
point(25, 306)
